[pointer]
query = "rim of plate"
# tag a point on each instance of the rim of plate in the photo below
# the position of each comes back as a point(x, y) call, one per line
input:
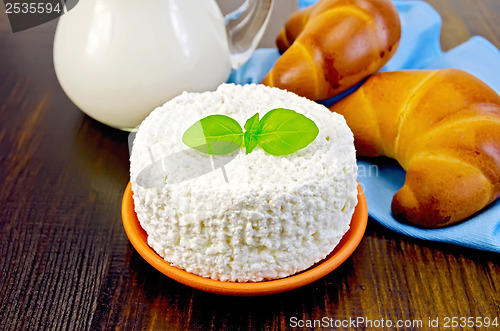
point(349, 242)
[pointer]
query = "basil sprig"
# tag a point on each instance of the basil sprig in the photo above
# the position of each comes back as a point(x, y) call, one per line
point(280, 132)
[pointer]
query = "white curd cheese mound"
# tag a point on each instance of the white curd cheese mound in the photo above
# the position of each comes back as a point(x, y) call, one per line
point(258, 217)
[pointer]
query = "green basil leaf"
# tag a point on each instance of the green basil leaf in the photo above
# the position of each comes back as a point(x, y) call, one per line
point(215, 135)
point(251, 127)
point(283, 131)
point(250, 142)
point(252, 123)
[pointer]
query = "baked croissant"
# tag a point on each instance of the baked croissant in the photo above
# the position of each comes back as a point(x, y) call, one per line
point(333, 45)
point(443, 127)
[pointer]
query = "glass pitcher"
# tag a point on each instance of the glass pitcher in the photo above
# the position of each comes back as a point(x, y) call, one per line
point(117, 60)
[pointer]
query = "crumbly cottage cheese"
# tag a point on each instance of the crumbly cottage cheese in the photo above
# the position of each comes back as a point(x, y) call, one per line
point(259, 216)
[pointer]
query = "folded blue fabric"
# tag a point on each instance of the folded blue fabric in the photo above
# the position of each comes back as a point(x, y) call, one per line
point(381, 178)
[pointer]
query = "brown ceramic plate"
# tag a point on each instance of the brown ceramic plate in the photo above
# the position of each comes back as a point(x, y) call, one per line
point(344, 249)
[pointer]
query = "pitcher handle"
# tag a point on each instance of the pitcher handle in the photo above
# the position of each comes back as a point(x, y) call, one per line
point(245, 27)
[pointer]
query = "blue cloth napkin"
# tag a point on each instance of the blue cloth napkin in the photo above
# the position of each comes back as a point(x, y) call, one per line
point(381, 178)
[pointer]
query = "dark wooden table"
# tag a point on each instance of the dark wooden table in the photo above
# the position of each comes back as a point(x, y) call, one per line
point(66, 263)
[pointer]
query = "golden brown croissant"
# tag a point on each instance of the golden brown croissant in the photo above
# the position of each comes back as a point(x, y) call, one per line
point(443, 127)
point(333, 45)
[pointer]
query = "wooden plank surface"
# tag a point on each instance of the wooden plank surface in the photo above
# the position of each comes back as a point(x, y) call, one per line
point(66, 263)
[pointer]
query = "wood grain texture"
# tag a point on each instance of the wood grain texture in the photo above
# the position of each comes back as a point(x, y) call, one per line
point(66, 263)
